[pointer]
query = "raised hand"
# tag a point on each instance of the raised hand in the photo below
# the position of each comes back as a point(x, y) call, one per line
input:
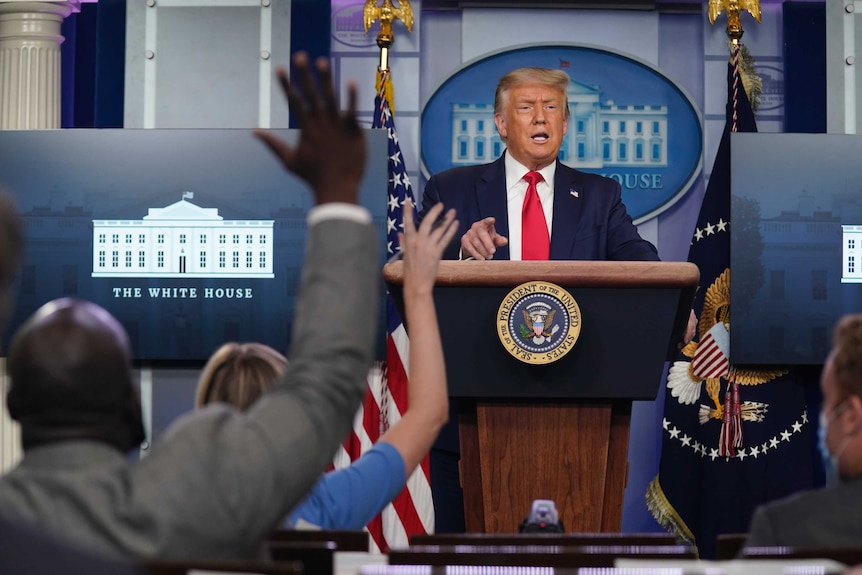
point(427, 399)
point(423, 246)
point(330, 154)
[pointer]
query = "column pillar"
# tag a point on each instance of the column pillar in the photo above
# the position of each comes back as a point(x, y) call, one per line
point(30, 63)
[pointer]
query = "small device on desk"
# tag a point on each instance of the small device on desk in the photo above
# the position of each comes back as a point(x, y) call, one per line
point(543, 518)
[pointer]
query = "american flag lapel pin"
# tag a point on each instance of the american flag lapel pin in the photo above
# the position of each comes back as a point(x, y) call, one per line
point(574, 193)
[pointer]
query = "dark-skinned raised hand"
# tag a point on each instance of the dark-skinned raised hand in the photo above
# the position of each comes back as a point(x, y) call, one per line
point(330, 154)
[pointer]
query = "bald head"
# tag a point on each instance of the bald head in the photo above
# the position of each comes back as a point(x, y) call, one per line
point(69, 366)
point(10, 253)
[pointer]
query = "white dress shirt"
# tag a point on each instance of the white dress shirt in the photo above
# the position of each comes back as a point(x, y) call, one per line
point(516, 190)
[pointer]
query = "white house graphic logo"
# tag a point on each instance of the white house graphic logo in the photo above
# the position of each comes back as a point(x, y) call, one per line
point(599, 135)
point(851, 272)
point(182, 240)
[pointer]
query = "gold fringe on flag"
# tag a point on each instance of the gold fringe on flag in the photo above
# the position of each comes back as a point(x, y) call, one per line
point(665, 514)
point(751, 80)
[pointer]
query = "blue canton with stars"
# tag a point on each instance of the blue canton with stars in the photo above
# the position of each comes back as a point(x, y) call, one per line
point(399, 190)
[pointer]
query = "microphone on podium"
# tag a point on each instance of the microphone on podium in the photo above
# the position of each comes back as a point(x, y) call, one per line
point(543, 518)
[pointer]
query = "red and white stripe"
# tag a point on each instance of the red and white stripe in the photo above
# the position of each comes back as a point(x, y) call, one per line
point(412, 511)
point(711, 358)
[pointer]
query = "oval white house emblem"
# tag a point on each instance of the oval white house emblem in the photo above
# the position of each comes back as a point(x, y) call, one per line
point(627, 121)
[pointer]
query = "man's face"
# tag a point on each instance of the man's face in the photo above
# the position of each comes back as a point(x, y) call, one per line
point(533, 122)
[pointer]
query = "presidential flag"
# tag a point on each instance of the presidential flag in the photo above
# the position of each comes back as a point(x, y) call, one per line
point(732, 437)
point(412, 512)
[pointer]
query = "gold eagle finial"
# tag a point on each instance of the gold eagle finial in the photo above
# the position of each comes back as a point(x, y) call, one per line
point(733, 8)
point(387, 13)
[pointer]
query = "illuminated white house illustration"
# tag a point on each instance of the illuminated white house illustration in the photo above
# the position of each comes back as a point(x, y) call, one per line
point(851, 254)
point(599, 135)
point(183, 240)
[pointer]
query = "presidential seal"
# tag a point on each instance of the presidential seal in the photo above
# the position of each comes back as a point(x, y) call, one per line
point(538, 322)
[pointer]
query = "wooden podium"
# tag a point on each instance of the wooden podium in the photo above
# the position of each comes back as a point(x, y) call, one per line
point(558, 431)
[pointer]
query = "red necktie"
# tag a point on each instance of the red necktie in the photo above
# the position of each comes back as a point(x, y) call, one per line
point(535, 241)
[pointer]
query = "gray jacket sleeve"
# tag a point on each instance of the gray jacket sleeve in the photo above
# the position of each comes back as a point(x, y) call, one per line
point(233, 476)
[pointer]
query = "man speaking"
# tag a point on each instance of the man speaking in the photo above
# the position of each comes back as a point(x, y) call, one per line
point(526, 205)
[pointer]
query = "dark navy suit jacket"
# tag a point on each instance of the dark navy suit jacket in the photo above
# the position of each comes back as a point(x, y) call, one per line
point(590, 220)
point(590, 223)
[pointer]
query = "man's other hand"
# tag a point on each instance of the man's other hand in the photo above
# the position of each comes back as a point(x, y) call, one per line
point(690, 330)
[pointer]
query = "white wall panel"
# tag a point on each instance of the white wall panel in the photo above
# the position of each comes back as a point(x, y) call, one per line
point(206, 63)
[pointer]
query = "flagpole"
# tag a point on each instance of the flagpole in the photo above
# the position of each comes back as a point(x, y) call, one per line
point(730, 437)
point(731, 468)
point(734, 33)
point(387, 13)
point(412, 511)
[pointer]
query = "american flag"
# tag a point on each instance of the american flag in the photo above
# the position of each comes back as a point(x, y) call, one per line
point(412, 512)
point(711, 357)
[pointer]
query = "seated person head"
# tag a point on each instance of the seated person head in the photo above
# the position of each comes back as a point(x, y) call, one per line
point(10, 253)
point(69, 366)
point(238, 374)
point(841, 384)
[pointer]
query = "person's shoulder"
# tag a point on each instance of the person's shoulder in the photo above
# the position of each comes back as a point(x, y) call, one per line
point(585, 177)
point(463, 172)
point(807, 502)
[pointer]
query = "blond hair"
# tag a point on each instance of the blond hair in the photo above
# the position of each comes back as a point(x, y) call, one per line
point(548, 76)
point(238, 374)
point(847, 354)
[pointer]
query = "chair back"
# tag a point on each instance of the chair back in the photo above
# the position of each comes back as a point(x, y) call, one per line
point(315, 557)
point(166, 567)
point(729, 545)
point(344, 540)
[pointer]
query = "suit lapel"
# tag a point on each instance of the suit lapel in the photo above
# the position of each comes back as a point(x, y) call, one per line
point(567, 211)
point(492, 199)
